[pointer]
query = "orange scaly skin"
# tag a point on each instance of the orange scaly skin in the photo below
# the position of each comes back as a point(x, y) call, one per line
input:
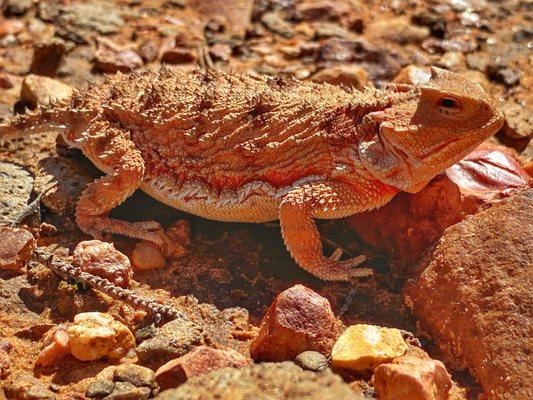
point(236, 147)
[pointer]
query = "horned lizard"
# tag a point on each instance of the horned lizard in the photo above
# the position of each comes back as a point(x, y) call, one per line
point(239, 147)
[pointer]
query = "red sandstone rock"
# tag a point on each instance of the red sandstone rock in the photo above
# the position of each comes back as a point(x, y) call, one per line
point(102, 259)
point(489, 172)
point(200, 360)
point(16, 247)
point(298, 320)
point(474, 296)
point(410, 223)
point(412, 378)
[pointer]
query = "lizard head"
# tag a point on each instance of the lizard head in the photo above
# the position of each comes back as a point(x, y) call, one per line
point(427, 128)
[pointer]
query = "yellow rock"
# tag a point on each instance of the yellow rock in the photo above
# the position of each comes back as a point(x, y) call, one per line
point(363, 347)
point(95, 335)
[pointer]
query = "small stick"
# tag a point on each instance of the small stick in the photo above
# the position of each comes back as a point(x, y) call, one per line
point(69, 271)
point(32, 207)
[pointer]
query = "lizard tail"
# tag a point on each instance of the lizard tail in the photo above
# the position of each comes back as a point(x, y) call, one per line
point(27, 124)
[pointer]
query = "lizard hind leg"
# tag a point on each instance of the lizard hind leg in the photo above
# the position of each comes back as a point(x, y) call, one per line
point(114, 152)
point(301, 235)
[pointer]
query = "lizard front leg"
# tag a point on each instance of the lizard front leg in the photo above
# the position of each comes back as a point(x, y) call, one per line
point(114, 152)
point(296, 213)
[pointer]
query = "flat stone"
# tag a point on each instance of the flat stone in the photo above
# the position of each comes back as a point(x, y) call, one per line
point(297, 320)
point(362, 347)
point(134, 374)
point(200, 360)
point(474, 296)
point(16, 248)
point(128, 391)
point(80, 22)
point(412, 378)
point(172, 340)
point(100, 388)
point(16, 186)
point(272, 381)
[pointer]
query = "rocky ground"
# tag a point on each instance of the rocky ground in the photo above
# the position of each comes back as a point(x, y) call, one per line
point(447, 313)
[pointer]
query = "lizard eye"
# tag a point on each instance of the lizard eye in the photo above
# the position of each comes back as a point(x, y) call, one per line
point(449, 106)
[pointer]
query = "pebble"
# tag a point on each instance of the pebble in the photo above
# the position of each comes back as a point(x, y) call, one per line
point(128, 391)
point(379, 62)
point(236, 16)
point(198, 361)
point(42, 90)
point(149, 50)
point(362, 347)
point(125, 381)
point(146, 256)
point(399, 30)
point(102, 259)
point(220, 51)
point(56, 346)
point(275, 22)
point(17, 7)
point(413, 75)
point(412, 378)
point(100, 388)
point(453, 61)
point(345, 75)
point(5, 364)
point(324, 30)
point(16, 248)
point(518, 118)
point(312, 361)
point(298, 319)
point(323, 10)
point(96, 335)
point(25, 386)
point(178, 55)
point(111, 58)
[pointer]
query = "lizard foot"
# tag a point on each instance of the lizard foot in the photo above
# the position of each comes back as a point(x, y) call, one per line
point(347, 269)
point(97, 225)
